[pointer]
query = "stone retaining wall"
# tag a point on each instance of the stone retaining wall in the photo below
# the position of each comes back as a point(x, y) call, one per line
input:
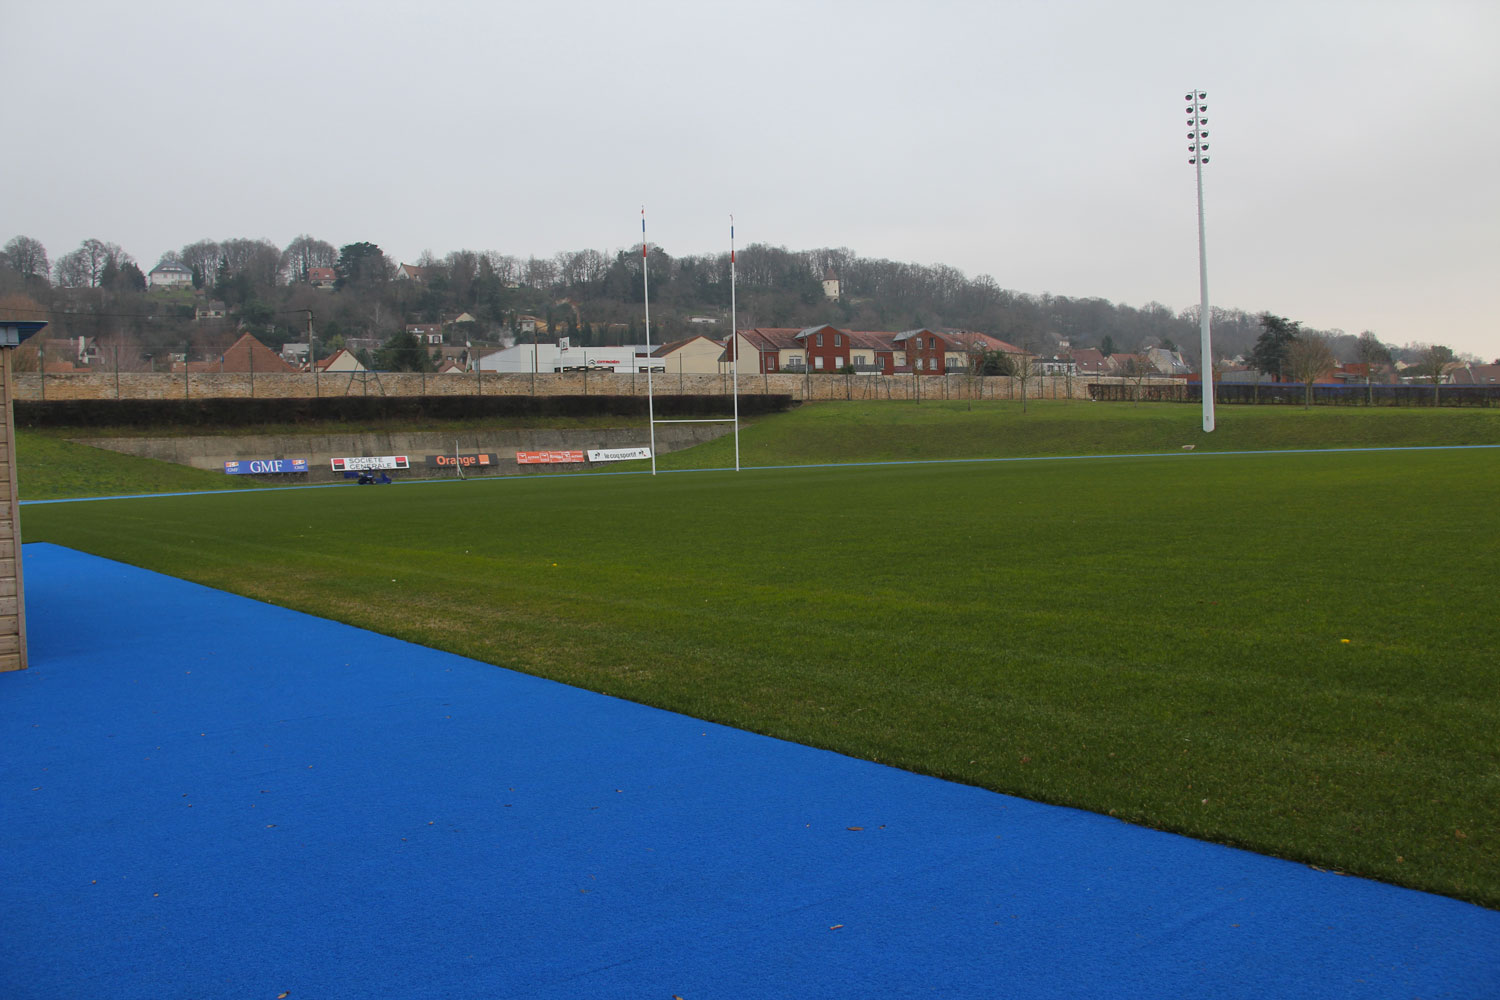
point(159, 385)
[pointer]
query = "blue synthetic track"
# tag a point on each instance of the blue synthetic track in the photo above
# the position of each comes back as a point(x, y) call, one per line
point(209, 797)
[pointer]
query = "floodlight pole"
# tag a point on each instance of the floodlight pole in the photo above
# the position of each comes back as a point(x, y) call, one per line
point(1197, 109)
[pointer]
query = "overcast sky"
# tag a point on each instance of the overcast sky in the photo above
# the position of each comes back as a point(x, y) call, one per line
point(1354, 180)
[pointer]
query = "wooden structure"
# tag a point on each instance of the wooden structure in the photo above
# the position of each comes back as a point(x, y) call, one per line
point(12, 593)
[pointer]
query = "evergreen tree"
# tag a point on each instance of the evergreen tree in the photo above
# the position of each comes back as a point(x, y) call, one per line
point(1270, 354)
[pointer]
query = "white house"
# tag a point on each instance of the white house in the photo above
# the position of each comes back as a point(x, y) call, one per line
point(340, 361)
point(697, 355)
point(170, 274)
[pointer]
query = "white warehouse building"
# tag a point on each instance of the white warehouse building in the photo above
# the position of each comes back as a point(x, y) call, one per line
point(548, 358)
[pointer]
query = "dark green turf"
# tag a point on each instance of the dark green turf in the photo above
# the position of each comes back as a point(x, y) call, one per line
point(1159, 639)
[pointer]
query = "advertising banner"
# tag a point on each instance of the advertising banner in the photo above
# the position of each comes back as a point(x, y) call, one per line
point(265, 466)
point(480, 460)
point(548, 457)
point(362, 464)
point(617, 454)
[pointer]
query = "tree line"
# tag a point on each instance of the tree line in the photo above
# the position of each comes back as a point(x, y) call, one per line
point(591, 296)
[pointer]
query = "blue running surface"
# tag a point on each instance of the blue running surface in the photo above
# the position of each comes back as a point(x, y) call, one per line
point(206, 796)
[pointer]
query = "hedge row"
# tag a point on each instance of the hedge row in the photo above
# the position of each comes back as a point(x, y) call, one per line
point(1292, 392)
point(218, 412)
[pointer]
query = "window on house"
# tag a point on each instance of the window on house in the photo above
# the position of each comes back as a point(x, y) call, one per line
point(838, 340)
point(818, 361)
point(820, 340)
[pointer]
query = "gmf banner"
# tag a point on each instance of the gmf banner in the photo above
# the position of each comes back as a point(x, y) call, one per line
point(265, 466)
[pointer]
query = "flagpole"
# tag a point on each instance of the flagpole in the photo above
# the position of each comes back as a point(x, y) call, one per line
point(734, 340)
point(646, 294)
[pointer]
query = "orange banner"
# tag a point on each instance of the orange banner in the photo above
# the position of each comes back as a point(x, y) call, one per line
point(547, 457)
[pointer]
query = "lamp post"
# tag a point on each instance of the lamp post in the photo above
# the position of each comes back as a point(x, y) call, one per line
point(1197, 111)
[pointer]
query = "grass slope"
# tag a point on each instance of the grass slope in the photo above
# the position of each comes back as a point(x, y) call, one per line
point(1159, 639)
point(50, 468)
point(952, 429)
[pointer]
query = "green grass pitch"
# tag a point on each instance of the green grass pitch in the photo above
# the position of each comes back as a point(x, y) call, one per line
point(1160, 639)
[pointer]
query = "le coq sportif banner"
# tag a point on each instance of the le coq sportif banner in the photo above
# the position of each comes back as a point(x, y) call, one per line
point(618, 454)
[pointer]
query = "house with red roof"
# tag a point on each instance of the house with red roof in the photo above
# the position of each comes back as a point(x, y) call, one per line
point(1475, 375)
point(829, 349)
point(245, 355)
point(340, 361)
point(767, 349)
point(1090, 361)
point(417, 273)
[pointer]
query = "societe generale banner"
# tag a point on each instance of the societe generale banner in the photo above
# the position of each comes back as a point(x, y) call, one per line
point(361, 464)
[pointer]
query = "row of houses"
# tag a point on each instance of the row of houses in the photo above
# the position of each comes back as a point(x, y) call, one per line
point(174, 274)
point(830, 349)
point(759, 350)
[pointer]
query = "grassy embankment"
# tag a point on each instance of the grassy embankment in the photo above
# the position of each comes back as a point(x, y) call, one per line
point(1161, 639)
point(58, 462)
point(895, 432)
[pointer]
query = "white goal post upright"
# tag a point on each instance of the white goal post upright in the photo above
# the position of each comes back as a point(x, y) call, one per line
point(733, 348)
point(646, 295)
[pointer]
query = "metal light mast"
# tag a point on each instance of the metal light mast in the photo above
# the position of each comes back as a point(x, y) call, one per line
point(1197, 109)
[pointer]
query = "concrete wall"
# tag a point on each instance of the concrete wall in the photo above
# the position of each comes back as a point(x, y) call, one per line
point(159, 385)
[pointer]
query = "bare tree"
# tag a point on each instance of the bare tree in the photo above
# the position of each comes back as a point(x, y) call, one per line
point(1309, 358)
point(1372, 353)
point(257, 260)
point(85, 267)
point(540, 272)
point(305, 253)
point(1024, 369)
point(202, 258)
point(1137, 370)
point(502, 266)
point(27, 256)
point(1433, 364)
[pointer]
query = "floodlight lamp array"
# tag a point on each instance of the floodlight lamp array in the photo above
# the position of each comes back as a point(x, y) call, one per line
point(1197, 108)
